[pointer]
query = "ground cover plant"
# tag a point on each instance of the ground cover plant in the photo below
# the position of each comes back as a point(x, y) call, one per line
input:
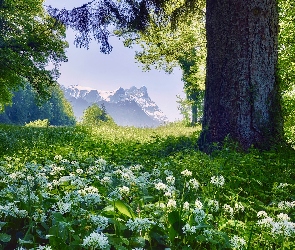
point(109, 187)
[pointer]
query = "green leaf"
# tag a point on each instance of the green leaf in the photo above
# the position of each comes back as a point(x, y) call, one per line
point(124, 209)
point(5, 237)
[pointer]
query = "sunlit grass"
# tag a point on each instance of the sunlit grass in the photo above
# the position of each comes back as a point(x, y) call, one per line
point(110, 187)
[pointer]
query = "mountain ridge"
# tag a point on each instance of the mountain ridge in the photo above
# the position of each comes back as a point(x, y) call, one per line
point(128, 107)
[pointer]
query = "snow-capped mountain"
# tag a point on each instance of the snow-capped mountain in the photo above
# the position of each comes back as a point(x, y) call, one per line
point(128, 107)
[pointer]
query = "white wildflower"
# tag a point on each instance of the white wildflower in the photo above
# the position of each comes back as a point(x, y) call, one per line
point(160, 186)
point(186, 173)
point(186, 206)
point(217, 180)
point(58, 157)
point(213, 205)
point(187, 229)
point(171, 204)
point(228, 209)
point(285, 205)
point(261, 214)
point(282, 185)
point(194, 183)
point(199, 215)
point(237, 242)
point(96, 240)
point(64, 207)
point(239, 207)
point(170, 179)
point(100, 221)
point(79, 171)
point(139, 224)
point(124, 190)
point(198, 204)
point(156, 172)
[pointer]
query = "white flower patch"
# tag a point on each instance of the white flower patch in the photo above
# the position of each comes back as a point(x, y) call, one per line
point(139, 224)
point(96, 241)
point(186, 173)
point(160, 186)
point(237, 242)
point(199, 215)
point(187, 229)
point(100, 221)
point(286, 205)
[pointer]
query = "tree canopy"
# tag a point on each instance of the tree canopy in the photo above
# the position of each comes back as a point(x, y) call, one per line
point(30, 41)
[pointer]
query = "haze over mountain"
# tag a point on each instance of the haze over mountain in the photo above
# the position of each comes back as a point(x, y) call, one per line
point(128, 107)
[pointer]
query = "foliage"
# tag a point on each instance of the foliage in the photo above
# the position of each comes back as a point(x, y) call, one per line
point(95, 115)
point(165, 45)
point(38, 123)
point(125, 188)
point(30, 40)
point(26, 108)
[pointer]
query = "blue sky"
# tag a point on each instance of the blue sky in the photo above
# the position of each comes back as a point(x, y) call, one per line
point(90, 68)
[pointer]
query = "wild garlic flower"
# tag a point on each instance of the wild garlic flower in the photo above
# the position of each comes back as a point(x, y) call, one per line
point(187, 229)
point(63, 207)
point(217, 180)
point(198, 204)
point(79, 171)
point(286, 205)
point(282, 185)
point(43, 248)
point(156, 172)
point(194, 183)
point(239, 207)
point(124, 190)
point(12, 210)
point(96, 241)
point(160, 186)
point(58, 157)
point(228, 209)
point(106, 180)
point(199, 215)
point(186, 206)
point(186, 173)
point(171, 204)
point(261, 214)
point(213, 205)
point(100, 221)
point(139, 224)
point(237, 242)
point(170, 179)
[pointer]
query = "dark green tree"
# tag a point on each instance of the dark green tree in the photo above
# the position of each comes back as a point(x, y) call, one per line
point(30, 40)
point(26, 107)
point(95, 115)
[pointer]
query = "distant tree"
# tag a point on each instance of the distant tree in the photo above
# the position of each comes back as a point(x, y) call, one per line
point(95, 115)
point(30, 40)
point(26, 107)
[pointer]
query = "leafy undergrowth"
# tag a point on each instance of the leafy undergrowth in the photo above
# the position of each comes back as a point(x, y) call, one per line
point(130, 188)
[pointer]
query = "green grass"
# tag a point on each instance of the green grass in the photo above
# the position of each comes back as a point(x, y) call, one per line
point(44, 169)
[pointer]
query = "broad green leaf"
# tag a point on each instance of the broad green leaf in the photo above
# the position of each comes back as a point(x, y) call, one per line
point(5, 237)
point(124, 209)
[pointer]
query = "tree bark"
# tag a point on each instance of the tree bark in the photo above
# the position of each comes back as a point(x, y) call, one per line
point(242, 98)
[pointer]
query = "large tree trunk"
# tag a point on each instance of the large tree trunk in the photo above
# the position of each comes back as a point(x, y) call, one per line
point(242, 94)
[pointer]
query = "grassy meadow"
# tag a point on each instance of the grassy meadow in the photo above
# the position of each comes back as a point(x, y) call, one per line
point(110, 187)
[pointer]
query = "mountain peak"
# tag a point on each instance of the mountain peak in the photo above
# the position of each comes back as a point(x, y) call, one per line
point(119, 99)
